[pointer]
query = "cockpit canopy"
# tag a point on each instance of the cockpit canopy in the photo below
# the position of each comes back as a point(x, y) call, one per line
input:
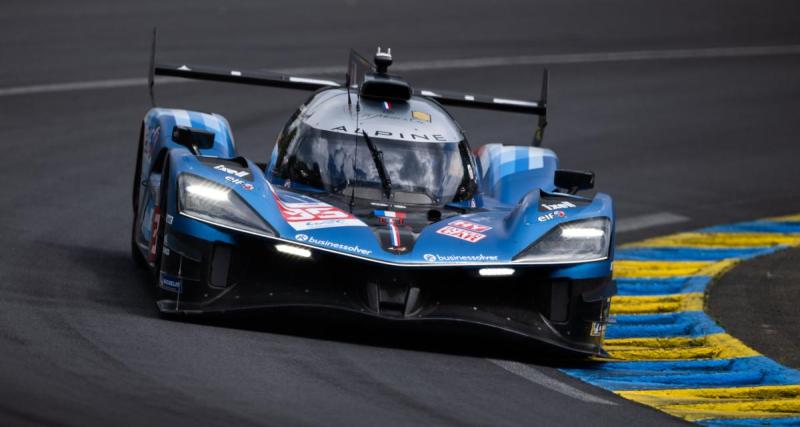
point(323, 149)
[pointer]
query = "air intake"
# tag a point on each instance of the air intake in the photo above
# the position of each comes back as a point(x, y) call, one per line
point(385, 87)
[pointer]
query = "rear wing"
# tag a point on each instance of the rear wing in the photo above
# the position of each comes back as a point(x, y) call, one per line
point(358, 68)
point(256, 78)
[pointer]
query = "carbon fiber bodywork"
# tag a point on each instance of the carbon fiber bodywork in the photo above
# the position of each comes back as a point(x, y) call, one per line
point(567, 313)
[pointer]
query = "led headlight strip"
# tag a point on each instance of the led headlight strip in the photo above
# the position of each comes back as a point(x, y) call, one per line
point(575, 241)
point(216, 204)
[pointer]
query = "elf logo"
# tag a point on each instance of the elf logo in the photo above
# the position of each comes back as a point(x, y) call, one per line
point(552, 215)
point(229, 171)
point(562, 205)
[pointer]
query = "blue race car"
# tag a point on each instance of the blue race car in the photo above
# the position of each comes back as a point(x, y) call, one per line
point(372, 202)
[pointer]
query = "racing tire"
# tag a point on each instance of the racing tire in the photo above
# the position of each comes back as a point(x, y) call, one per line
point(162, 205)
point(136, 253)
point(163, 201)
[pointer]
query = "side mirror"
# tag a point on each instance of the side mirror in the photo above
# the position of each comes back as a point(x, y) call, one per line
point(193, 139)
point(574, 181)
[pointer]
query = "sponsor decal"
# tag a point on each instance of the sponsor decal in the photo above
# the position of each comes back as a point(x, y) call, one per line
point(171, 283)
point(471, 226)
point(597, 329)
point(310, 215)
point(464, 230)
point(236, 181)
point(331, 245)
point(552, 215)
point(421, 116)
point(561, 205)
point(395, 135)
point(460, 233)
point(230, 171)
point(459, 258)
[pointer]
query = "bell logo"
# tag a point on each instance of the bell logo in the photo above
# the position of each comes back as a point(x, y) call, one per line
point(229, 171)
point(562, 205)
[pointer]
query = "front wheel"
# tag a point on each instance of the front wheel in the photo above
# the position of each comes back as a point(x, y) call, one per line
point(136, 253)
point(156, 248)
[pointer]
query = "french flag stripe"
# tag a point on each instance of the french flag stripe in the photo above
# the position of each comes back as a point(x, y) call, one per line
point(390, 214)
point(395, 233)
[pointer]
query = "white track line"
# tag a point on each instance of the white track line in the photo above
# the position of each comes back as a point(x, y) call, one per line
point(500, 61)
point(646, 221)
point(543, 380)
point(86, 85)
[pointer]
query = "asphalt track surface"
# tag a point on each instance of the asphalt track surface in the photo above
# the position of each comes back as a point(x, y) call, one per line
point(736, 302)
point(713, 140)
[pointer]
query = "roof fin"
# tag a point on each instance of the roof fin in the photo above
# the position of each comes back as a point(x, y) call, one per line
point(151, 71)
point(539, 135)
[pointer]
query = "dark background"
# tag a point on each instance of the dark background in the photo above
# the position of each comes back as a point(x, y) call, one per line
point(711, 140)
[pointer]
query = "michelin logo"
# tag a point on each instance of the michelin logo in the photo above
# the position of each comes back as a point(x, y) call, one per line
point(459, 258)
point(331, 245)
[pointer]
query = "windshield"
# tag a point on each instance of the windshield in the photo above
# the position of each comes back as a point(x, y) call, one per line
point(420, 172)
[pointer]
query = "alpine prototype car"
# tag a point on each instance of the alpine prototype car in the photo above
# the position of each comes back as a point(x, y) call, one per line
point(372, 202)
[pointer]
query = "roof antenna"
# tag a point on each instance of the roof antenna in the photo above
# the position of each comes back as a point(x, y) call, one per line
point(348, 78)
point(347, 83)
point(151, 72)
point(383, 60)
point(355, 155)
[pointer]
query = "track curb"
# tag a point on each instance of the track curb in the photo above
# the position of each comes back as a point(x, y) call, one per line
point(669, 354)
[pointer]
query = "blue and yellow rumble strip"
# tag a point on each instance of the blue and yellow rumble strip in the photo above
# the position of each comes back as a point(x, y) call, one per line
point(669, 354)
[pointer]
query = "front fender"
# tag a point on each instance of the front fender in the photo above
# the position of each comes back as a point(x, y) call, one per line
point(158, 126)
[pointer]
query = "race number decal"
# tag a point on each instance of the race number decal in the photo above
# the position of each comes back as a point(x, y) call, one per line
point(308, 214)
point(314, 213)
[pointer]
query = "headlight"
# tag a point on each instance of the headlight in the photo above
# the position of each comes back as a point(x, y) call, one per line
point(217, 204)
point(583, 240)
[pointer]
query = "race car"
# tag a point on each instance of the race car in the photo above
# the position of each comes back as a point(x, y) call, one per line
point(372, 202)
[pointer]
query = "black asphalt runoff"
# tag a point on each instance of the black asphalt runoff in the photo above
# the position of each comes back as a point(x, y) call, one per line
point(712, 139)
point(757, 303)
